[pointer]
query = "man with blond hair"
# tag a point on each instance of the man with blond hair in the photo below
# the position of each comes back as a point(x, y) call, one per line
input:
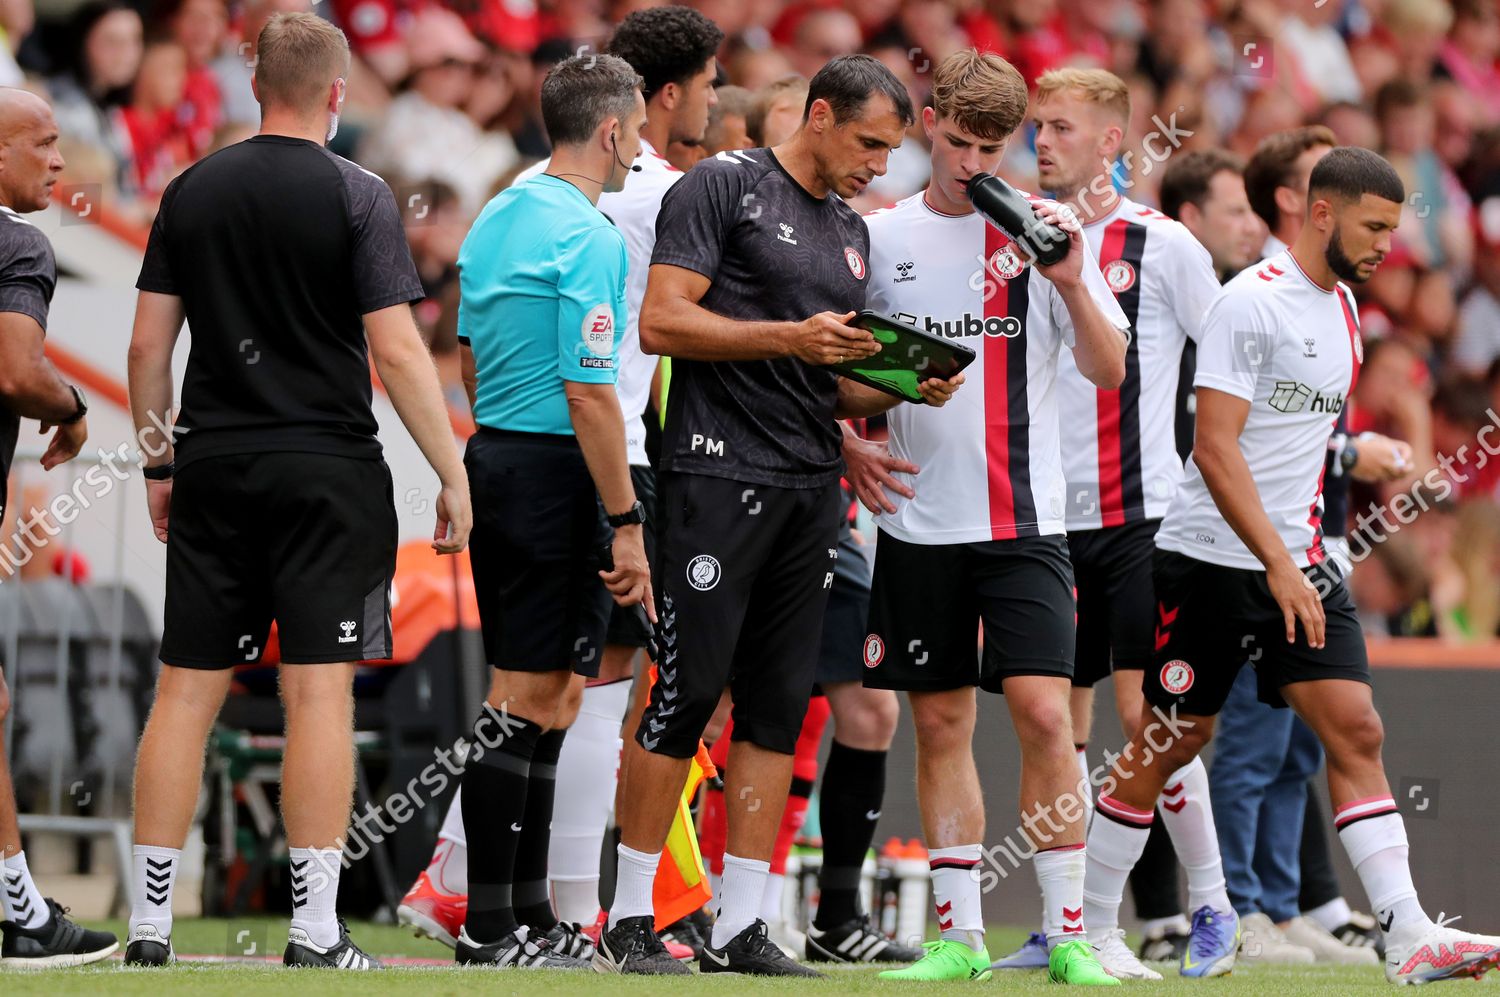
point(981, 539)
point(291, 266)
point(1120, 460)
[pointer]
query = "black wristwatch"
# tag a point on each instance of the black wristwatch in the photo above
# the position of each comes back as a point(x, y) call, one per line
point(83, 406)
point(634, 517)
point(1349, 456)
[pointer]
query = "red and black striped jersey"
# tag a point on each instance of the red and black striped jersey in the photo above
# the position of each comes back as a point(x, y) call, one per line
point(1119, 447)
point(991, 466)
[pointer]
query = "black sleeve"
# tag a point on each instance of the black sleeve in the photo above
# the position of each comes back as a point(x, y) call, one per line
point(29, 275)
point(698, 213)
point(156, 269)
point(384, 273)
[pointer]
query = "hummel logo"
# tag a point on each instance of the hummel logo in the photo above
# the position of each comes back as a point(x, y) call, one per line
point(905, 269)
point(1390, 919)
point(872, 815)
point(717, 960)
point(516, 827)
point(348, 627)
point(786, 233)
point(1312, 347)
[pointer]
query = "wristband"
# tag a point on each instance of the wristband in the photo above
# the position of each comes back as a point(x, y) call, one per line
point(161, 472)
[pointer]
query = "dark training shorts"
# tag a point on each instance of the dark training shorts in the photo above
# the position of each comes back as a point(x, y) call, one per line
point(536, 546)
point(628, 625)
point(1116, 610)
point(308, 540)
point(1215, 619)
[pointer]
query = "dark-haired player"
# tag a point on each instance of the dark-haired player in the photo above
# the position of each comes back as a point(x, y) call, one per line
point(1241, 558)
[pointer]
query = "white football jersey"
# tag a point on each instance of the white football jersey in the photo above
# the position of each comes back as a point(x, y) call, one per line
point(1291, 349)
point(633, 210)
point(1120, 447)
point(990, 460)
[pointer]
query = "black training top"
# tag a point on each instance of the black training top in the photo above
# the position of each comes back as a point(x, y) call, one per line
point(277, 247)
point(28, 275)
point(774, 253)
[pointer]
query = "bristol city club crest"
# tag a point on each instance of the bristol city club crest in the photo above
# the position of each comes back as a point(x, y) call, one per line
point(1177, 677)
point(1006, 264)
point(856, 262)
point(1359, 347)
point(1119, 275)
point(874, 650)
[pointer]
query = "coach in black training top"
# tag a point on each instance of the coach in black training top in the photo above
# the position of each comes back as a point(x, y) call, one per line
point(748, 246)
point(285, 260)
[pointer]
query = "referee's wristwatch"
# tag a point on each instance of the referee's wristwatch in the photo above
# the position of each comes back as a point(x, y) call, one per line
point(83, 406)
point(635, 517)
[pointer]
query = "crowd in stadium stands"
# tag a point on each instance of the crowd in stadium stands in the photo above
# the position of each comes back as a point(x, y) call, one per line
point(444, 104)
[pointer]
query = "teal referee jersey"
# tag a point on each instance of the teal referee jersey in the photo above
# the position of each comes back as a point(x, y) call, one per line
point(542, 302)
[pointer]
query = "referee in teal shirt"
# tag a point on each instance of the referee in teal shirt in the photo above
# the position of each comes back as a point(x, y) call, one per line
point(542, 280)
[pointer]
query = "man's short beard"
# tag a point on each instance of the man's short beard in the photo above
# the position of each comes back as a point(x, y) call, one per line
point(1339, 262)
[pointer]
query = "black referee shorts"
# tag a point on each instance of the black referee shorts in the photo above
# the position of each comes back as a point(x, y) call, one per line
point(536, 549)
point(1116, 607)
point(742, 579)
point(628, 626)
point(308, 540)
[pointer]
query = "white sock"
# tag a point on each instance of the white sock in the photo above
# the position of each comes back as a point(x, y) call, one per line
point(1086, 786)
point(1060, 871)
point(589, 767)
point(1116, 841)
point(449, 869)
point(1333, 915)
point(153, 874)
point(771, 899)
point(1375, 838)
point(315, 893)
point(739, 904)
point(635, 874)
point(955, 894)
point(453, 820)
point(1189, 819)
point(20, 901)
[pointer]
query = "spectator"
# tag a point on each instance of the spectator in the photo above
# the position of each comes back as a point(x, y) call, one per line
point(200, 27)
point(1309, 37)
point(777, 112)
point(160, 144)
point(822, 35)
point(1351, 123)
point(425, 134)
point(17, 18)
point(1466, 586)
point(1391, 398)
point(1404, 113)
point(1470, 56)
point(233, 69)
point(1390, 589)
point(1460, 409)
point(727, 119)
point(1477, 344)
point(1415, 31)
point(104, 55)
point(757, 68)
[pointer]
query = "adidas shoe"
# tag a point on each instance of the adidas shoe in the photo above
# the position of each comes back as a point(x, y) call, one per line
point(431, 913)
point(145, 946)
point(1361, 930)
point(56, 943)
point(343, 954)
point(1438, 952)
point(752, 952)
point(1032, 954)
point(519, 949)
point(567, 938)
point(632, 947)
point(1117, 959)
point(856, 941)
point(945, 959)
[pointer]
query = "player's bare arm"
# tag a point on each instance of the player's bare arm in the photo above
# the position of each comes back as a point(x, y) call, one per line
point(158, 320)
point(858, 401)
point(595, 412)
point(1216, 451)
point(31, 388)
point(1099, 346)
point(674, 324)
point(406, 370)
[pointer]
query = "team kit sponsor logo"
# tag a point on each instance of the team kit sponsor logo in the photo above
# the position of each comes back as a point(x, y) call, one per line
point(966, 325)
point(1294, 396)
point(598, 330)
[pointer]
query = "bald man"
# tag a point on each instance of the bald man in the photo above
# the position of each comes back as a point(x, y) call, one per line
point(36, 934)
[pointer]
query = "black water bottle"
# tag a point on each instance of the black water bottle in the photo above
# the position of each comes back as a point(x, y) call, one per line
point(1012, 214)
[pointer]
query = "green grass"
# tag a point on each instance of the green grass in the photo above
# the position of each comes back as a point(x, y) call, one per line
point(219, 937)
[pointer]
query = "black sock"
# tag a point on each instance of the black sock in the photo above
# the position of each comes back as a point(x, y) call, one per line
point(852, 789)
point(494, 805)
point(532, 902)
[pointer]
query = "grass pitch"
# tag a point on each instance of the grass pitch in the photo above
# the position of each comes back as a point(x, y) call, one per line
point(246, 942)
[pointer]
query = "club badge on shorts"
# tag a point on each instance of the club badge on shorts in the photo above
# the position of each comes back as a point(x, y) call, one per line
point(874, 650)
point(1177, 677)
point(856, 262)
point(703, 572)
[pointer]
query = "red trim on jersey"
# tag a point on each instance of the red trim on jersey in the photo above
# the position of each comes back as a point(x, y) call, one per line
point(1107, 406)
point(1352, 324)
point(997, 398)
point(1315, 552)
